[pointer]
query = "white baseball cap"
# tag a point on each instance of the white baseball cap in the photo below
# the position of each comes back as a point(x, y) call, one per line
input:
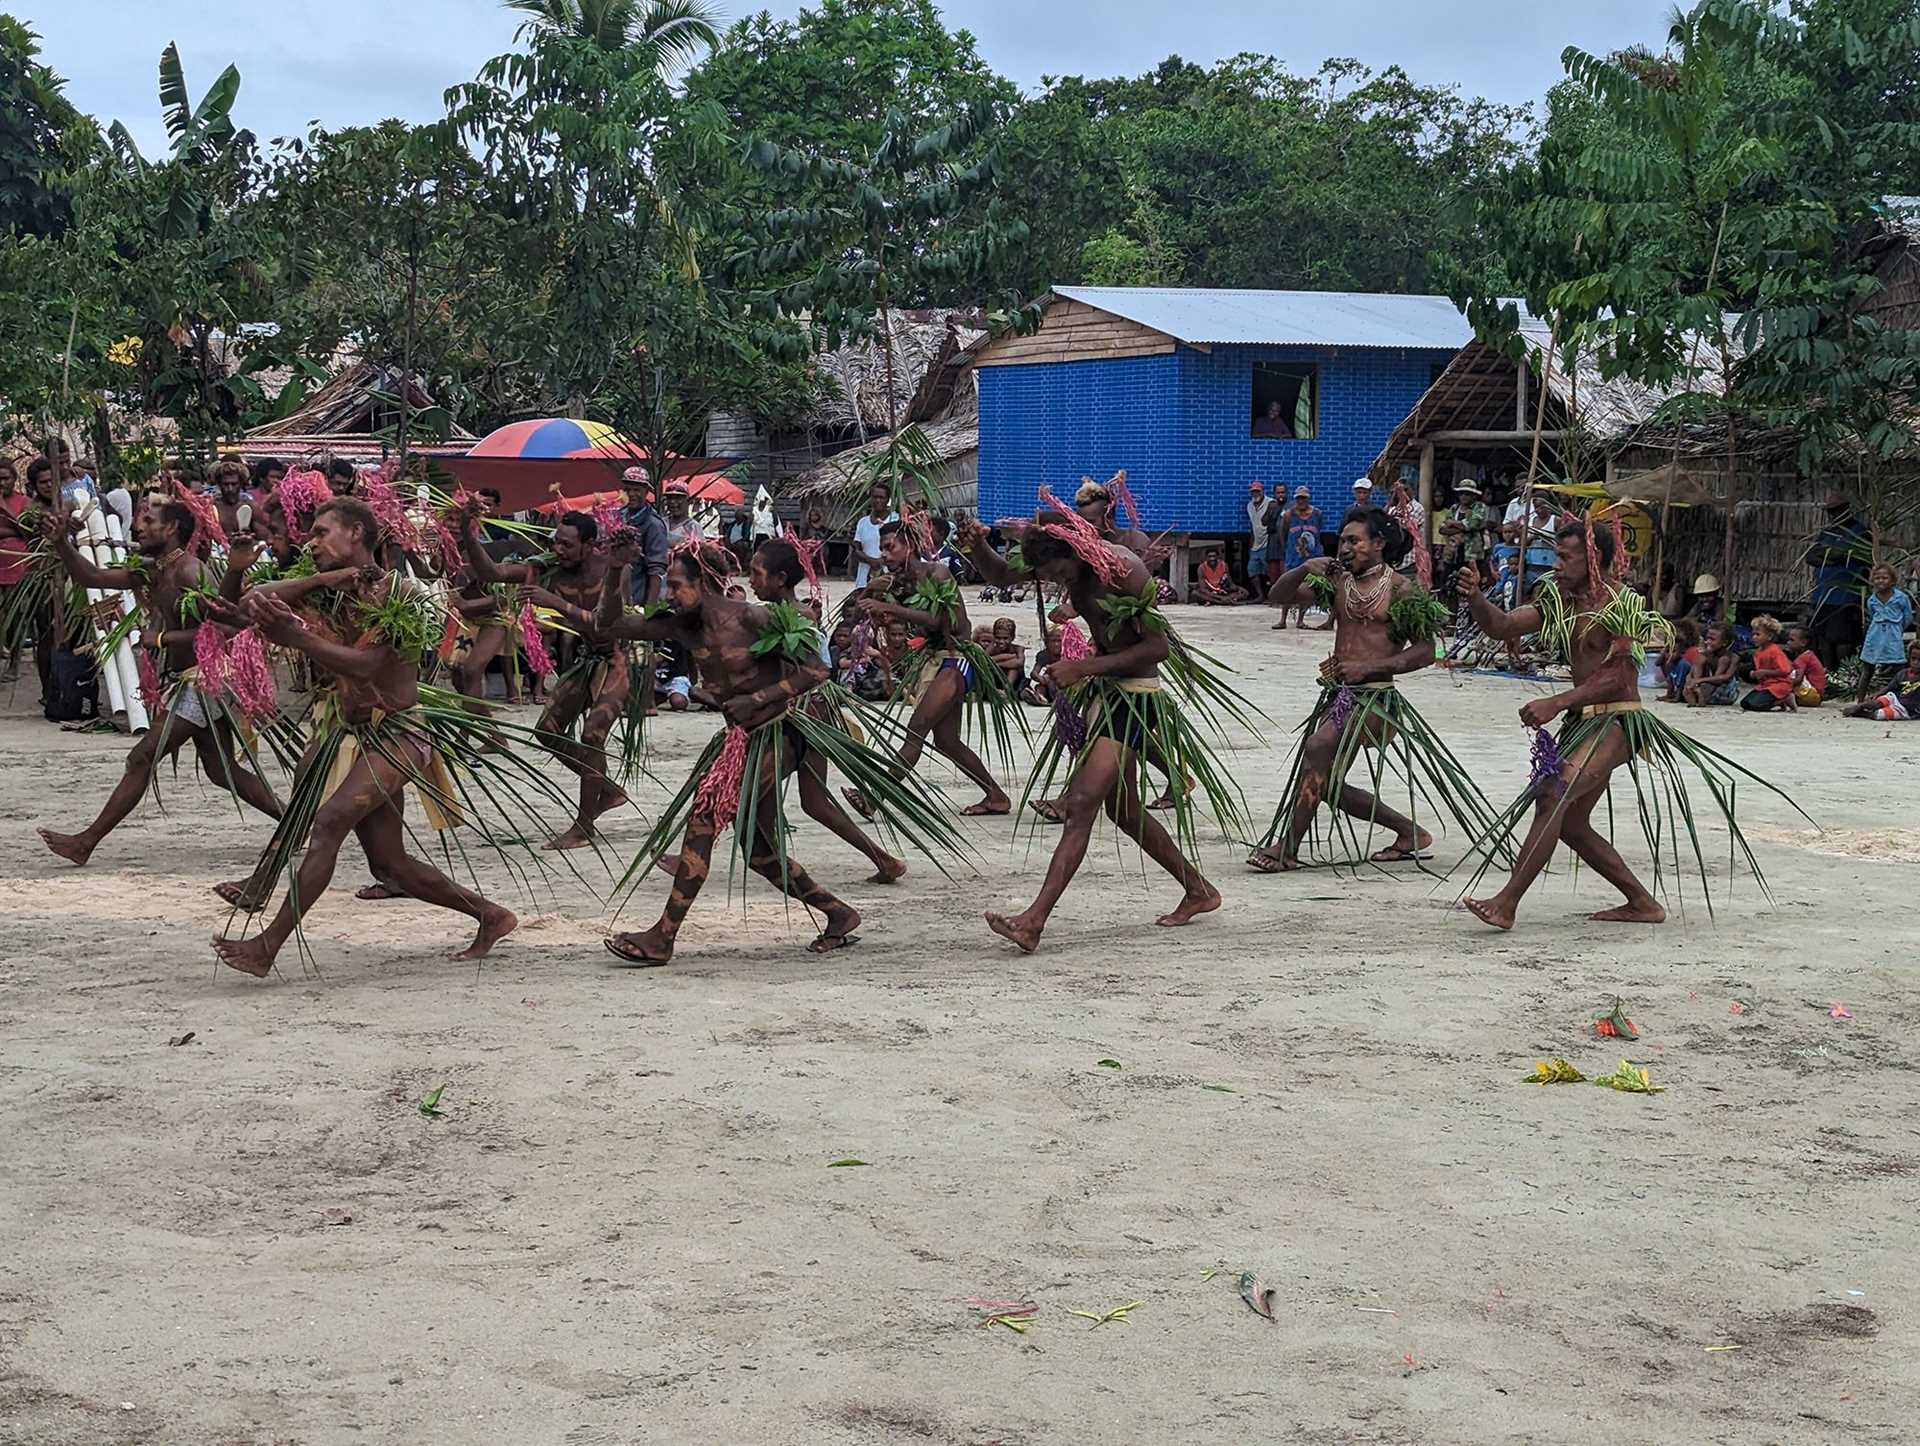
point(1360, 482)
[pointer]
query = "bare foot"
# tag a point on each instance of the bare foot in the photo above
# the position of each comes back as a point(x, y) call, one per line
point(994, 805)
point(580, 836)
point(1026, 935)
point(368, 892)
point(1649, 912)
point(495, 925)
point(1491, 911)
point(890, 871)
point(668, 864)
point(1203, 898)
point(619, 800)
point(249, 956)
point(645, 950)
point(72, 847)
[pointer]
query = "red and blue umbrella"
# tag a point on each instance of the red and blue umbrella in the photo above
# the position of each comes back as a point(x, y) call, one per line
point(525, 460)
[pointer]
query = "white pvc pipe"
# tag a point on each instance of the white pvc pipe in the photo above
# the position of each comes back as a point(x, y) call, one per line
point(127, 656)
point(119, 672)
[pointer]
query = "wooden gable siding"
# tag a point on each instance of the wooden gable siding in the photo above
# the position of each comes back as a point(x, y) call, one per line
point(1074, 331)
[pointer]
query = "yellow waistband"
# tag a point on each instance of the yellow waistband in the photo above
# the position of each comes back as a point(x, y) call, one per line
point(1598, 708)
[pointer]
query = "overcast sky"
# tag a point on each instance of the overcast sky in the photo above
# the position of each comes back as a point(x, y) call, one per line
point(350, 62)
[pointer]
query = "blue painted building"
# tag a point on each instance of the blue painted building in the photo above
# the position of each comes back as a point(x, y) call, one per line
point(1196, 393)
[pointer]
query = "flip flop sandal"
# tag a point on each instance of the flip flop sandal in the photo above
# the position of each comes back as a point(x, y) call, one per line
point(832, 943)
point(635, 960)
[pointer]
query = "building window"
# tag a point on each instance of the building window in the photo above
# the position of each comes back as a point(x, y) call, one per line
point(1286, 400)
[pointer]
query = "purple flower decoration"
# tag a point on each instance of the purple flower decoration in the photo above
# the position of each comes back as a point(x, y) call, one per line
point(1546, 763)
point(1342, 708)
point(1068, 726)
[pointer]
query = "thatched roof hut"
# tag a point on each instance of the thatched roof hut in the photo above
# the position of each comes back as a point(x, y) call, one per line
point(944, 403)
point(347, 417)
point(1478, 419)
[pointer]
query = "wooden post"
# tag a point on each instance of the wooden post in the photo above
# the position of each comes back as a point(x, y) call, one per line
point(1426, 480)
point(1177, 566)
point(1520, 396)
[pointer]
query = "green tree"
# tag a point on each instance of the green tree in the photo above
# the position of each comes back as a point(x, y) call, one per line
point(598, 161)
point(43, 139)
point(917, 221)
point(827, 81)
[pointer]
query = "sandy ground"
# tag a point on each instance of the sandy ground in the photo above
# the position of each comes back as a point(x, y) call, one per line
point(626, 1228)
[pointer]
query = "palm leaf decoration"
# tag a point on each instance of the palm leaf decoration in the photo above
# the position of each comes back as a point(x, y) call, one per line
point(1416, 616)
point(788, 634)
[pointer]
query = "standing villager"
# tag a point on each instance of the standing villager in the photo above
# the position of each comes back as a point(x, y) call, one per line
point(944, 673)
point(594, 685)
point(756, 663)
point(1385, 624)
point(172, 589)
point(1112, 705)
point(1603, 629)
point(376, 731)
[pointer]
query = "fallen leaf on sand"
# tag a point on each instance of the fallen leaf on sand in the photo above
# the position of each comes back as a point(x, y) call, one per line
point(430, 1103)
point(1118, 1313)
point(1108, 1064)
point(180, 1039)
point(843, 1164)
point(1553, 1071)
point(1631, 1079)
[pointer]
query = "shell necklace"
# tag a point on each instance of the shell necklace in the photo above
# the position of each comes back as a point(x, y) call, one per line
point(1363, 603)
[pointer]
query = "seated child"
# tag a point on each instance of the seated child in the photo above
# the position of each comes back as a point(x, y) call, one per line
point(1678, 662)
point(1809, 673)
point(1712, 680)
point(1901, 701)
point(1772, 669)
point(1002, 648)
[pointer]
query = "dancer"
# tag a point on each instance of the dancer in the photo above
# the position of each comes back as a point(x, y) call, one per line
point(595, 682)
point(1603, 628)
point(375, 731)
point(1113, 704)
point(1385, 624)
point(162, 575)
point(756, 662)
point(1100, 505)
point(943, 672)
point(775, 574)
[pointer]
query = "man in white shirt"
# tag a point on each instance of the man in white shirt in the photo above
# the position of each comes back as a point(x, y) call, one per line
point(866, 532)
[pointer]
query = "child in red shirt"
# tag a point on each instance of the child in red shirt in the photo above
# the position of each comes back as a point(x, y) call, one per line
point(1809, 673)
point(1772, 670)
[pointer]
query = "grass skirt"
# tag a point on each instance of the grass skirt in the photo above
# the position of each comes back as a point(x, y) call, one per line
point(471, 777)
point(1415, 759)
point(1144, 720)
point(1659, 759)
point(906, 807)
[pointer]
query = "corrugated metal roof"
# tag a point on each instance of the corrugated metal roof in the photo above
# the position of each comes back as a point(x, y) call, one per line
point(1284, 318)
